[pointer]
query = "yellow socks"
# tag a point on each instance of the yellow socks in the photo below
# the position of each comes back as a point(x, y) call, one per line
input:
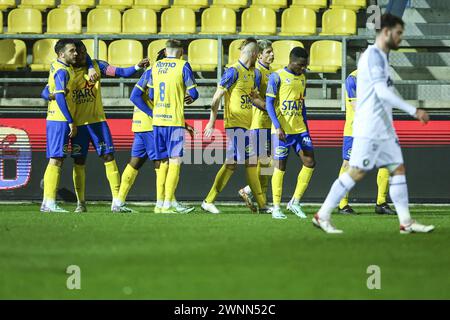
point(383, 185)
point(344, 200)
point(79, 180)
point(113, 175)
point(171, 183)
point(253, 181)
point(277, 186)
point(127, 181)
point(264, 178)
point(161, 174)
point(302, 182)
point(51, 181)
point(220, 182)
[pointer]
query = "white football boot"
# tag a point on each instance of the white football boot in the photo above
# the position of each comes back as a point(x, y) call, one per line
point(210, 207)
point(415, 227)
point(325, 225)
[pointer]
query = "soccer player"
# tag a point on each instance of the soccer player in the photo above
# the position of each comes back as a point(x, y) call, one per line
point(381, 206)
point(237, 85)
point(59, 125)
point(286, 107)
point(375, 140)
point(169, 80)
point(261, 124)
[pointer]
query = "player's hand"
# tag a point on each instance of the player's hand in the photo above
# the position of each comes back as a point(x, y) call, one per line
point(188, 99)
point(281, 134)
point(51, 97)
point(209, 129)
point(422, 116)
point(92, 75)
point(192, 132)
point(73, 130)
point(144, 63)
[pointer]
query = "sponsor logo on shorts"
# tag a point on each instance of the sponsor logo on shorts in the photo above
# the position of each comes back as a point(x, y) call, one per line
point(76, 149)
point(281, 151)
point(306, 141)
point(366, 162)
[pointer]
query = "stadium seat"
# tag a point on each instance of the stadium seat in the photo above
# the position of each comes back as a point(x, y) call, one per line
point(193, 4)
point(115, 4)
point(43, 54)
point(82, 4)
point(325, 56)
point(298, 21)
point(1, 22)
point(13, 54)
point(104, 20)
point(178, 20)
point(64, 20)
point(354, 5)
point(7, 4)
point(233, 4)
point(273, 4)
point(315, 5)
point(259, 21)
point(41, 5)
point(234, 51)
point(202, 55)
point(139, 21)
point(340, 22)
point(124, 53)
point(156, 5)
point(102, 51)
point(154, 47)
point(281, 50)
point(218, 20)
point(25, 20)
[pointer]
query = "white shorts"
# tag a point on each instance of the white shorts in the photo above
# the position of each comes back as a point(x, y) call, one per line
point(368, 153)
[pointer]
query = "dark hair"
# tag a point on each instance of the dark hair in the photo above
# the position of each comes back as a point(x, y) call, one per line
point(298, 52)
point(80, 44)
point(61, 45)
point(248, 41)
point(173, 43)
point(390, 21)
point(161, 54)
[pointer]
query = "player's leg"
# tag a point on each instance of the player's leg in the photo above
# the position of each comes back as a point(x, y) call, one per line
point(280, 151)
point(347, 144)
point(161, 168)
point(382, 207)
point(248, 155)
point(80, 147)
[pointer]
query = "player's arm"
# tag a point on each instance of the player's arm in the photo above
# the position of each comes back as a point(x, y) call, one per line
point(92, 73)
point(61, 80)
point(257, 100)
point(138, 92)
point(108, 70)
point(45, 94)
point(304, 111)
point(191, 85)
point(272, 90)
point(350, 87)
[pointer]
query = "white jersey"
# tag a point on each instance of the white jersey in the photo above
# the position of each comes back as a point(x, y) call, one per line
point(373, 117)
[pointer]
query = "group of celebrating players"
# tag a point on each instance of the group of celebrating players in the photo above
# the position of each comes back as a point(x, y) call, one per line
point(264, 116)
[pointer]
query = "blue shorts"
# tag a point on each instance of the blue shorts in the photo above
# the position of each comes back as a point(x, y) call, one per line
point(57, 138)
point(169, 142)
point(143, 145)
point(347, 148)
point(261, 141)
point(239, 148)
point(298, 142)
point(98, 133)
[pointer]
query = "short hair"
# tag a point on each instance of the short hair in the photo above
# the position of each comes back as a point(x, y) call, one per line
point(61, 45)
point(80, 44)
point(173, 44)
point(263, 45)
point(247, 42)
point(161, 54)
point(298, 52)
point(390, 21)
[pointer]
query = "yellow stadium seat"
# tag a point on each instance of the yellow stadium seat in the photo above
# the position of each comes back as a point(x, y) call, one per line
point(281, 51)
point(139, 21)
point(64, 20)
point(102, 51)
point(178, 20)
point(43, 54)
point(338, 22)
point(233, 4)
point(104, 20)
point(218, 20)
point(298, 21)
point(25, 20)
point(325, 56)
point(202, 55)
point(315, 5)
point(273, 4)
point(234, 51)
point(154, 47)
point(13, 54)
point(124, 53)
point(354, 5)
point(1, 22)
point(115, 4)
point(259, 21)
point(156, 5)
point(82, 4)
point(37, 4)
point(7, 4)
point(193, 4)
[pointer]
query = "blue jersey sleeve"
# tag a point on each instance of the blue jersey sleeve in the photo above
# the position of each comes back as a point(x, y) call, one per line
point(258, 77)
point(89, 62)
point(45, 94)
point(350, 86)
point(189, 81)
point(273, 85)
point(229, 78)
point(151, 91)
point(108, 70)
point(270, 106)
point(61, 79)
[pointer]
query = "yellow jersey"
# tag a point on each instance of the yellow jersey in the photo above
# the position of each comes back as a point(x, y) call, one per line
point(141, 121)
point(60, 78)
point(170, 78)
point(350, 96)
point(288, 90)
point(260, 118)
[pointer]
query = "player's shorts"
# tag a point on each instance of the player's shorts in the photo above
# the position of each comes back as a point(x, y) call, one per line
point(98, 133)
point(57, 138)
point(347, 148)
point(300, 141)
point(144, 145)
point(261, 140)
point(169, 142)
point(238, 146)
point(368, 153)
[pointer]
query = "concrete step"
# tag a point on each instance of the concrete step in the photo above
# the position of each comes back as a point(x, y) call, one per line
point(419, 59)
point(421, 73)
point(432, 29)
point(415, 15)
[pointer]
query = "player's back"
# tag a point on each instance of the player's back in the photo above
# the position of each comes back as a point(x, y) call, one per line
point(141, 121)
point(260, 118)
point(53, 111)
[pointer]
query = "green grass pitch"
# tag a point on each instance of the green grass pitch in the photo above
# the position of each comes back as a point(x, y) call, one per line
point(234, 255)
